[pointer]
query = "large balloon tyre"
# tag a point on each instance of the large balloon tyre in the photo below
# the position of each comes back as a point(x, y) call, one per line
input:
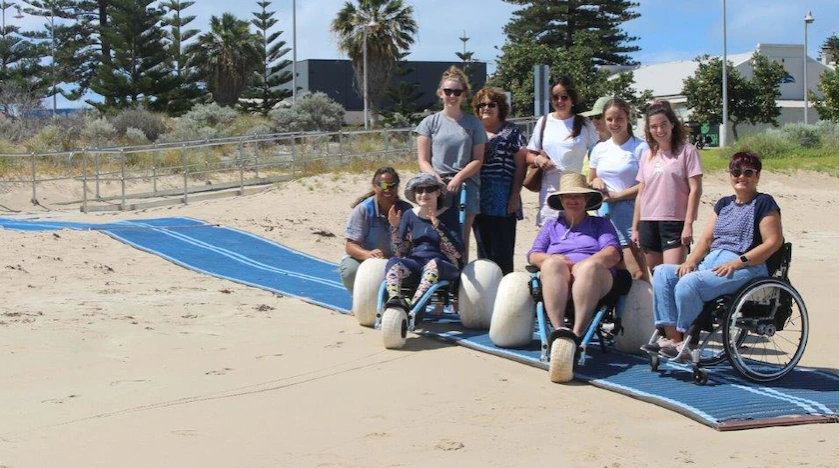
point(637, 319)
point(365, 296)
point(476, 293)
point(394, 328)
point(561, 368)
point(514, 314)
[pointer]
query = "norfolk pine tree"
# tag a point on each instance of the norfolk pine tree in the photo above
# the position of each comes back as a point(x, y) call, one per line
point(186, 91)
point(264, 93)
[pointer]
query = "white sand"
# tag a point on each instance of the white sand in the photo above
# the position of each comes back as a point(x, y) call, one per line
point(111, 357)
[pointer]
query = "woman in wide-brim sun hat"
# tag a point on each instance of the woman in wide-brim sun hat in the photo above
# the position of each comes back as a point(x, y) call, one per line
point(574, 249)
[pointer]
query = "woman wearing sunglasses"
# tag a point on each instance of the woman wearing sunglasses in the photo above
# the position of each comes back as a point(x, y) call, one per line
point(559, 143)
point(450, 145)
point(425, 249)
point(742, 233)
point(368, 229)
point(502, 175)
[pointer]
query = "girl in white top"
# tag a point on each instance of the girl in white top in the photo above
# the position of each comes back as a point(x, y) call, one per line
point(613, 168)
point(567, 136)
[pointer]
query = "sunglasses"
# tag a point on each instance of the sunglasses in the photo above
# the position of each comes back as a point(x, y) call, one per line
point(426, 189)
point(561, 97)
point(449, 91)
point(385, 185)
point(488, 105)
point(745, 172)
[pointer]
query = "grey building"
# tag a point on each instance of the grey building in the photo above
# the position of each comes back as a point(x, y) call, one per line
point(336, 79)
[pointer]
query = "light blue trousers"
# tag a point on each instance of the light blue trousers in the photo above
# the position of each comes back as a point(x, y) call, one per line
point(678, 301)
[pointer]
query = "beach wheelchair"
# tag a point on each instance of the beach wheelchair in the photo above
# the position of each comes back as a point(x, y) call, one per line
point(761, 329)
point(472, 295)
point(622, 319)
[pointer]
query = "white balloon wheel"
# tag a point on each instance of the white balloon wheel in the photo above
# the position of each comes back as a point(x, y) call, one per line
point(394, 328)
point(514, 314)
point(637, 319)
point(476, 295)
point(561, 368)
point(365, 296)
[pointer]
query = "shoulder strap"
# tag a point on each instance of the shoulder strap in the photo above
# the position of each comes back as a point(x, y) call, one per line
point(542, 132)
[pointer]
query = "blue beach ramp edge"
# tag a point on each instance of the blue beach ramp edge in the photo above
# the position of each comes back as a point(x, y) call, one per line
point(727, 402)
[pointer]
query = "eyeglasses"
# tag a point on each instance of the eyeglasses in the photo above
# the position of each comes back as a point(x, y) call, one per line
point(427, 189)
point(745, 172)
point(449, 91)
point(561, 97)
point(488, 105)
point(385, 185)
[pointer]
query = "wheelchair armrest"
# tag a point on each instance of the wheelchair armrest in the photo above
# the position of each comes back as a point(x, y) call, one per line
point(532, 269)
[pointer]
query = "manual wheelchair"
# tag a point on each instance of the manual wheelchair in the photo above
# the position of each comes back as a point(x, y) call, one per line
point(622, 318)
point(472, 295)
point(761, 329)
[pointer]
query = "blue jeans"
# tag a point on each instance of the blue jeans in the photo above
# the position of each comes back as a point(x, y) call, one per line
point(678, 301)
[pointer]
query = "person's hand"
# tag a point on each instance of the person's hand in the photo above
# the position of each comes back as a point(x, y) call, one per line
point(727, 269)
point(376, 253)
point(597, 184)
point(394, 216)
point(513, 205)
point(686, 268)
point(608, 196)
point(687, 234)
point(635, 238)
point(543, 161)
point(454, 185)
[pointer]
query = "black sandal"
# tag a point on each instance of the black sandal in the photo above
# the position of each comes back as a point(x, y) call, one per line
point(398, 302)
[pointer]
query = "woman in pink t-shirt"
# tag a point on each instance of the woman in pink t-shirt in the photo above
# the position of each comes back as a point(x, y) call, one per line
point(669, 189)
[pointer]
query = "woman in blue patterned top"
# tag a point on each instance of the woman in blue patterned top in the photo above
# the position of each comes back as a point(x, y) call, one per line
point(743, 232)
point(502, 175)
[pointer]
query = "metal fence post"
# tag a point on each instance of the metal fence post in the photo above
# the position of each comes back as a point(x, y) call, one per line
point(186, 182)
point(84, 182)
point(154, 169)
point(122, 177)
point(96, 168)
point(341, 143)
point(34, 181)
point(241, 170)
point(293, 154)
point(386, 135)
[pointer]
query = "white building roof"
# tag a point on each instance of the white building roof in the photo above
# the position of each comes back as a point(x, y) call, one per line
point(667, 79)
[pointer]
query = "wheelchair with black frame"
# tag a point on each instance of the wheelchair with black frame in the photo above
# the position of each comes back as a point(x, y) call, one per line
point(468, 299)
point(761, 329)
point(622, 319)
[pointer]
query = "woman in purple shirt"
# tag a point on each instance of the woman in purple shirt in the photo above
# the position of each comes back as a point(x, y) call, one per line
point(576, 254)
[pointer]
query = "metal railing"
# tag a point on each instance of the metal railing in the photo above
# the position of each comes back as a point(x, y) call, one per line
point(107, 178)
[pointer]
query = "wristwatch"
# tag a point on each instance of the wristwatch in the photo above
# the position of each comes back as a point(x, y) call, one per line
point(744, 259)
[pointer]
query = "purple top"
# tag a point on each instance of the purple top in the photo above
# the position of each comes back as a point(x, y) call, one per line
point(579, 243)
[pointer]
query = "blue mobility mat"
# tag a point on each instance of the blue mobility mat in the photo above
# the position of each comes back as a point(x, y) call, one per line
point(222, 252)
point(727, 402)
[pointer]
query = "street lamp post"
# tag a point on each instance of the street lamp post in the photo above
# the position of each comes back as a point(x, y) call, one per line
point(724, 126)
point(807, 20)
point(52, 65)
point(364, 60)
point(294, 51)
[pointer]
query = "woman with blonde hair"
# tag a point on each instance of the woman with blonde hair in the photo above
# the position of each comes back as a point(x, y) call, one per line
point(450, 145)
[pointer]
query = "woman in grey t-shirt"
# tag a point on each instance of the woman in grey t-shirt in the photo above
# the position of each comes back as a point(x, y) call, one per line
point(450, 144)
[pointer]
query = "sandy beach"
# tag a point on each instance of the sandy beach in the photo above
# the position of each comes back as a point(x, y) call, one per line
point(112, 357)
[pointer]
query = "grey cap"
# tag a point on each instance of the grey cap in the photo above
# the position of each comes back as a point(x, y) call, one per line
point(421, 180)
point(597, 108)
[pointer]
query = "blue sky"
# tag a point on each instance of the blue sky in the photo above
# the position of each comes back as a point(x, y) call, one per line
point(667, 29)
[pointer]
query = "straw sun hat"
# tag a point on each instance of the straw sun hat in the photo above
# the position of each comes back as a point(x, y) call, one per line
point(575, 183)
point(423, 179)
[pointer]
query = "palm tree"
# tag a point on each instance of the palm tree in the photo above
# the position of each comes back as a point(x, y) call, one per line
point(226, 57)
point(390, 31)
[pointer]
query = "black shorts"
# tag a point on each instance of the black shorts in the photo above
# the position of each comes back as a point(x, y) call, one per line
point(658, 236)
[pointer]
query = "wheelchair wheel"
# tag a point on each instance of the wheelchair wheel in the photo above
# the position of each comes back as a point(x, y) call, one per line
point(365, 296)
point(765, 331)
point(394, 328)
point(476, 293)
point(514, 314)
point(637, 319)
point(561, 368)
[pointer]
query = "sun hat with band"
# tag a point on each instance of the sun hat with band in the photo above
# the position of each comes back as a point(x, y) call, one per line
point(424, 179)
point(597, 108)
point(571, 183)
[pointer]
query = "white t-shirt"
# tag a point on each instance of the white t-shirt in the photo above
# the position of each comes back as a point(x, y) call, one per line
point(567, 153)
point(617, 166)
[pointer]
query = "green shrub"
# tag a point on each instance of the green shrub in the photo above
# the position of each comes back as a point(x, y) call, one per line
point(149, 123)
point(135, 137)
point(314, 112)
point(49, 139)
point(99, 133)
point(210, 115)
point(768, 144)
point(806, 136)
point(247, 124)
